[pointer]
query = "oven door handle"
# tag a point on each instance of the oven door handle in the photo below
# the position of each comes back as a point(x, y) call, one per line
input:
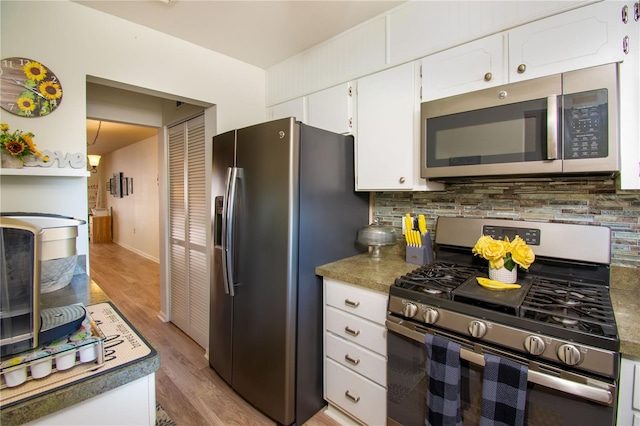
point(601, 394)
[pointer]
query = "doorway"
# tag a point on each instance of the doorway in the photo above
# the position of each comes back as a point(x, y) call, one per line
point(119, 103)
point(124, 185)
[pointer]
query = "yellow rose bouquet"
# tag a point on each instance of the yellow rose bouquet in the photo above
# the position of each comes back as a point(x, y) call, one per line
point(504, 253)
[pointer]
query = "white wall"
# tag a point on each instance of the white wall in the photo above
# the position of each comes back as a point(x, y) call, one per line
point(76, 42)
point(135, 216)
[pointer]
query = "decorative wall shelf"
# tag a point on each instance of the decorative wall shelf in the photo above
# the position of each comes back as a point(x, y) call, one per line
point(45, 171)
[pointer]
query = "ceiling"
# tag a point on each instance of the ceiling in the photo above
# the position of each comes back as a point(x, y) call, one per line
point(260, 33)
point(114, 136)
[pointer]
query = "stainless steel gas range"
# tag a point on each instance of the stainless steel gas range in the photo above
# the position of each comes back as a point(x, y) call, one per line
point(559, 323)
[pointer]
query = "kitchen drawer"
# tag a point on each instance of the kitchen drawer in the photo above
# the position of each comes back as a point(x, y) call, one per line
point(355, 329)
point(356, 358)
point(369, 403)
point(368, 304)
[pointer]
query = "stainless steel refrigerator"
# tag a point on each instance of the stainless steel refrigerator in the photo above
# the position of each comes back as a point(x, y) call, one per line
point(283, 203)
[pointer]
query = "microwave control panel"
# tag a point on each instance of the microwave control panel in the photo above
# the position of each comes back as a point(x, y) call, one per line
point(586, 125)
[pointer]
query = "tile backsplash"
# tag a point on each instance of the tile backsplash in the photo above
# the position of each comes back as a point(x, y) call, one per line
point(584, 202)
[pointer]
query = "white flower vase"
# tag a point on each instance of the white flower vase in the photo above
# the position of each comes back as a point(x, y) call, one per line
point(504, 275)
point(11, 162)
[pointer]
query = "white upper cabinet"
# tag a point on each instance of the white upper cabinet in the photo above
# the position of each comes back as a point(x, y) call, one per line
point(577, 39)
point(387, 132)
point(294, 108)
point(630, 102)
point(420, 28)
point(472, 66)
point(580, 38)
point(332, 109)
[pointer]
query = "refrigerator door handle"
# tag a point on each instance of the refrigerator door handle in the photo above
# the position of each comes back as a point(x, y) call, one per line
point(227, 230)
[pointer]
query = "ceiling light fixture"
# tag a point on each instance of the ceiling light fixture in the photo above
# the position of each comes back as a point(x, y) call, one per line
point(94, 160)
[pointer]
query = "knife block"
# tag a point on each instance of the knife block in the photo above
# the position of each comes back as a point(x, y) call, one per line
point(423, 254)
point(417, 255)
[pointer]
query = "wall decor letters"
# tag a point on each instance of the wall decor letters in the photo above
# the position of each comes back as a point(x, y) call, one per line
point(75, 161)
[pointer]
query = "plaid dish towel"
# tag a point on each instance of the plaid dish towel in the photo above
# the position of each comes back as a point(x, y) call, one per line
point(504, 392)
point(443, 371)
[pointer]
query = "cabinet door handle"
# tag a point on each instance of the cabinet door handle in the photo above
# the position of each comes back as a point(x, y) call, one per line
point(350, 303)
point(351, 332)
point(351, 360)
point(625, 45)
point(351, 397)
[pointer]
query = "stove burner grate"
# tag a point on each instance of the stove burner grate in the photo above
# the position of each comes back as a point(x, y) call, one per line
point(571, 305)
point(436, 279)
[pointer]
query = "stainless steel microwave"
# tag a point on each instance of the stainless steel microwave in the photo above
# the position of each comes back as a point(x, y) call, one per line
point(560, 125)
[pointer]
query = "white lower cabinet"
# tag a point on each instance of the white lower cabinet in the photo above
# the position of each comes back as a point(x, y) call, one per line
point(356, 329)
point(357, 358)
point(131, 404)
point(355, 352)
point(359, 397)
point(629, 393)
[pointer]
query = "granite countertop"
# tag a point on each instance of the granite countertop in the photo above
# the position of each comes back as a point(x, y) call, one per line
point(81, 290)
point(378, 275)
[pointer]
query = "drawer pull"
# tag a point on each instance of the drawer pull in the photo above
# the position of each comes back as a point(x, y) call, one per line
point(350, 303)
point(351, 360)
point(351, 397)
point(351, 332)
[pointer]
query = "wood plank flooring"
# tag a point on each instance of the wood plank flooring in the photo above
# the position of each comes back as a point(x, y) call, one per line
point(189, 391)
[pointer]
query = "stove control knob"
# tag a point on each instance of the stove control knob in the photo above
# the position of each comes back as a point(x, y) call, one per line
point(569, 354)
point(477, 328)
point(410, 310)
point(431, 316)
point(534, 345)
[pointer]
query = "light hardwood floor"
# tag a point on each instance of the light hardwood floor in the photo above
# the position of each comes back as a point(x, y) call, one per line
point(189, 391)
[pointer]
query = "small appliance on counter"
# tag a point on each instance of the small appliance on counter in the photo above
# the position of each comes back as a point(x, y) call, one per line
point(25, 243)
point(58, 256)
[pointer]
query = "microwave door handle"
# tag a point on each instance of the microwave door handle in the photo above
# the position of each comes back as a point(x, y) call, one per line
point(602, 395)
point(227, 231)
point(552, 127)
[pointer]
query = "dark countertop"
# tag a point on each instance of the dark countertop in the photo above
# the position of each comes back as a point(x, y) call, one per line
point(84, 290)
point(361, 270)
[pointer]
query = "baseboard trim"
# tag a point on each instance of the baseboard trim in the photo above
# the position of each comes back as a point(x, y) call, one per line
point(136, 251)
point(163, 317)
point(340, 416)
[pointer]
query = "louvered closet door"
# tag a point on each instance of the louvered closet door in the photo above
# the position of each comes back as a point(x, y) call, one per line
point(188, 218)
